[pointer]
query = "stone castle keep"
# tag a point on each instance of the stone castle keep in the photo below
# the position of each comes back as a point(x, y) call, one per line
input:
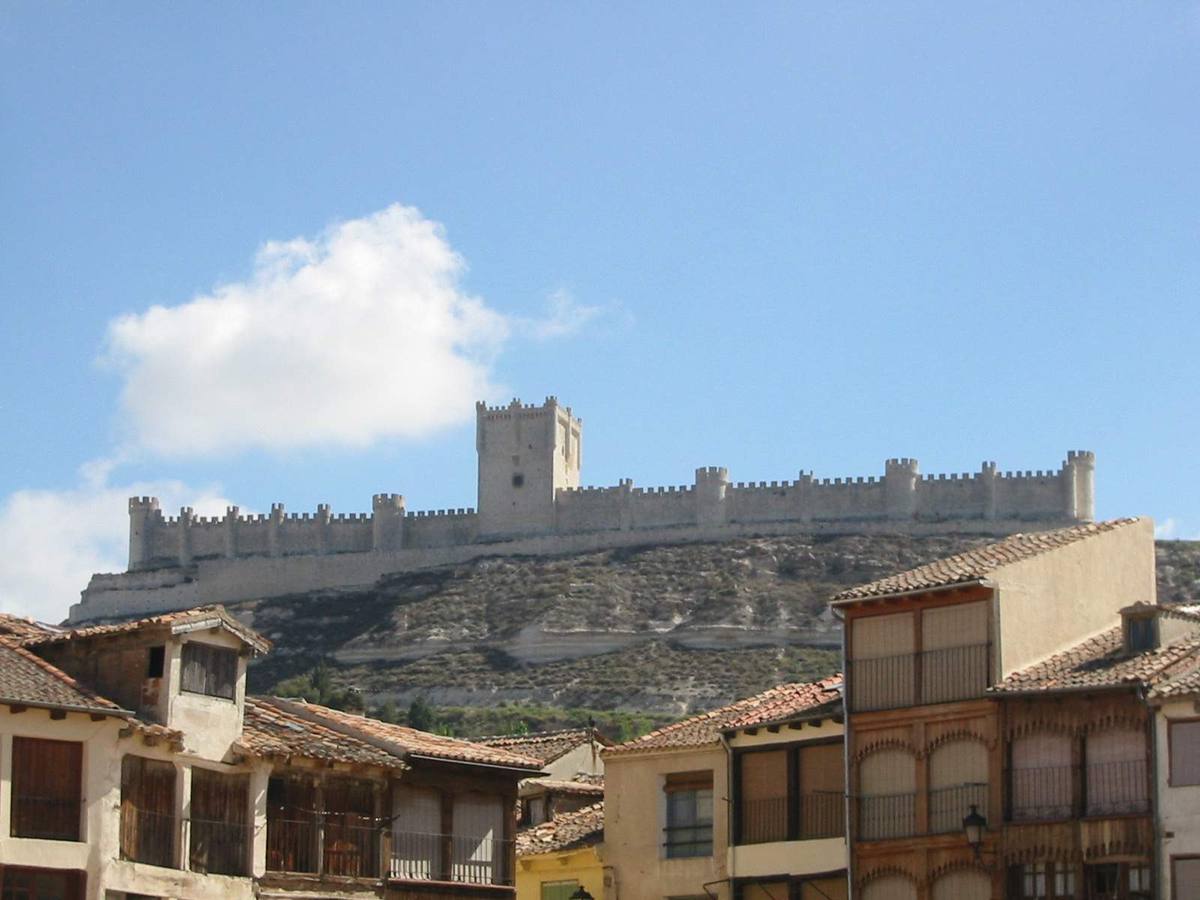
point(531, 502)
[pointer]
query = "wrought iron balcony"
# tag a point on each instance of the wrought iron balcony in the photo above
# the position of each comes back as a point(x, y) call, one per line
point(909, 679)
point(451, 858)
point(819, 814)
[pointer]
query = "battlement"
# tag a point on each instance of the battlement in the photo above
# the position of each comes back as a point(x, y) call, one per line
point(529, 466)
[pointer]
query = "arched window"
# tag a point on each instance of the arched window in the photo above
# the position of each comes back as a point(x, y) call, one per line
point(958, 775)
point(891, 887)
point(887, 794)
point(1116, 772)
point(964, 884)
point(1041, 776)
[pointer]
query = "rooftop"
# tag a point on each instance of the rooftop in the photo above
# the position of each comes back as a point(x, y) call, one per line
point(176, 622)
point(779, 704)
point(566, 831)
point(1101, 662)
point(546, 746)
point(563, 786)
point(396, 741)
point(28, 680)
point(977, 564)
point(271, 729)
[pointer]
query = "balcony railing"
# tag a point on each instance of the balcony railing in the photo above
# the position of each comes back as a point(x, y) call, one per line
point(1117, 788)
point(446, 857)
point(1041, 793)
point(47, 818)
point(219, 848)
point(340, 844)
point(814, 815)
point(948, 806)
point(932, 676)
point(148, 836)
point(887, 816)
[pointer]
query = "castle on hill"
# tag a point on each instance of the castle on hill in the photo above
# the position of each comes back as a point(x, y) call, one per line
point(530, 502)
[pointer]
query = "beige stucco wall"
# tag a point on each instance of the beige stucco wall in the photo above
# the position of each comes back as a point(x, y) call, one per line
point(1178, 807)
point(635, 815)
point(1057, 599)
point(584, 758)
point(583, 865)
point(209, 724)
point(99, 850)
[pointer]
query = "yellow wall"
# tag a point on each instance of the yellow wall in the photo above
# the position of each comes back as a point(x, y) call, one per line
point(583, 865)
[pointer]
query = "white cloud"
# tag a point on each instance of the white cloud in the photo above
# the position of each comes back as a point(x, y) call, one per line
point(52, 541)
point(1166, 529)
point(359, 334)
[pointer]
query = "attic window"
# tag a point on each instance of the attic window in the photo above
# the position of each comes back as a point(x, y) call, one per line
point(1141, 633)
point(518, 480)
point(209, 670)
point(154, 664)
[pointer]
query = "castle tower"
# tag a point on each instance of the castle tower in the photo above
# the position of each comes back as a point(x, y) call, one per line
point(526, 453)
point(144, 515)
point(1080, 469)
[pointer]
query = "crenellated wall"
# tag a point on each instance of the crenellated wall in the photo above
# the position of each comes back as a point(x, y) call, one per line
point(529, 458)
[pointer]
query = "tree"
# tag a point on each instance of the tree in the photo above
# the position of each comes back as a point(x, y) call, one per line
point(420, 715)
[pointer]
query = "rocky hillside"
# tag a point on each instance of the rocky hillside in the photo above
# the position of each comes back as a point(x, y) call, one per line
point(665, 630)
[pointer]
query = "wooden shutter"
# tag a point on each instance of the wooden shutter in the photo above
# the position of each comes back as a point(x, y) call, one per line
point(416, 832)
point(148, 811)
point(892, 887)
point(954, 660)
point(209, 670)
point(881, 661)
point(479, 849)
point(775, 890)
point(1116, 772)
point(292, 822)
point(219, 813)
point(825, 889)
point(822, 790)
point(351, 836)
point(47, 785)
point(965, 884)
point(1041, 776)
point(764, 796)
point(1184, 741)
point(1185, 878)
point(887, 784)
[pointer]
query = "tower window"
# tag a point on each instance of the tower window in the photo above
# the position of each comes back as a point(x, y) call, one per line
point(518, 480)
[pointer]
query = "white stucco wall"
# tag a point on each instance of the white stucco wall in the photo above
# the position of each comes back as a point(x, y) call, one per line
point(1178, 806)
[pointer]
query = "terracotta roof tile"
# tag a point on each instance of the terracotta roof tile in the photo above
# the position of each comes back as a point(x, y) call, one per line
point(546, 746)
point(1102, 662)
point(24, 628)
point(563, 786)
point(270, 729)
point(28, 679)
point(402, 741)
point(566, 831)
point(978, 563)
point(176, 621)
point(775, 705)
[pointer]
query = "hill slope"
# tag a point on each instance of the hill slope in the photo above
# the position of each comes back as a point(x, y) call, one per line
point(664, 629)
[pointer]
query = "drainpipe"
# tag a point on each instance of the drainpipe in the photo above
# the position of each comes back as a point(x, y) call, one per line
point(1156, 867)
point(847, 792)
point(610, 880)
point(731, 848)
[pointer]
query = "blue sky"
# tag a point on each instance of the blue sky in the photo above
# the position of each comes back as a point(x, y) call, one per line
point(272, 252)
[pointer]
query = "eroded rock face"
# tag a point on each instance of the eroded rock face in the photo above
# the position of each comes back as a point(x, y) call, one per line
point(669, 629)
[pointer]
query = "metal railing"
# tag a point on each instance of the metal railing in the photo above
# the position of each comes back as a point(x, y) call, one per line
point(1041, 793)
point(682, 841)
point(819, 814)
point(907, 679)
point(148, 836)
point(949, 805)
point(1117, 788)
point(218, 848)
point(418, 856)
point(329, 844)
point(887, 816)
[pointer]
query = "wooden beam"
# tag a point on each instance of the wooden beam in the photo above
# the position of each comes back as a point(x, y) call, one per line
point(58, 713)
point(17, 708)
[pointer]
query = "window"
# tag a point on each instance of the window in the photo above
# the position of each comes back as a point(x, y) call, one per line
point(518, 480)
point(689, 815)
point(1116, 773)
point(156, 657)
point(891, 887)
point(209, 670)
point(148, 811)
point(219, 832)
point(958, 774)
point(887, 802)
point(763, 791)
point(1041, 881)
point(963, 884)
point(416, 833)
point(1183, 739)
point(47, 780)
point(559, 890)
point(1185, 877)
point(1118, 881)
point(19, 883)
point(1041, 777)
point(789, 794)
point(1141, 633)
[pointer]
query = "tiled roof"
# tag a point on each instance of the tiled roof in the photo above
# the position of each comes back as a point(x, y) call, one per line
point(400, 741)
point(546, 746)
point(1101, 662)
point(1178, 685)
point(562, 786)
point(23, 628)
point(775, 705)
point(28, 680)
point(272, 730)
point(976, 564)
point(179, 621)
point(566, 831)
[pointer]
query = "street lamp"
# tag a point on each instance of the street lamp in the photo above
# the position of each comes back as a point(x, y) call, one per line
point(974, 825)
point(581, 893)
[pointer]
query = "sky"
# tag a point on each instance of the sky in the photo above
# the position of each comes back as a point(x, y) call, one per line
point(275, 252)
